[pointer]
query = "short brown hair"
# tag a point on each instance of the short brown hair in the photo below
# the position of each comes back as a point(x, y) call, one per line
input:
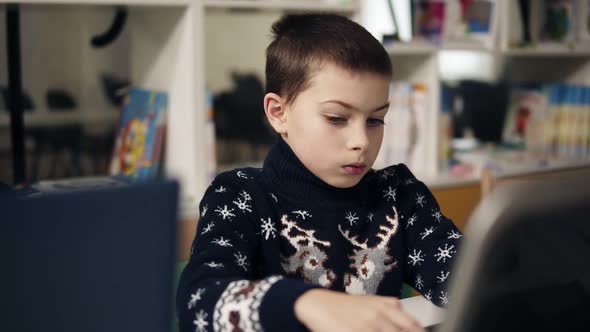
point(302, 42)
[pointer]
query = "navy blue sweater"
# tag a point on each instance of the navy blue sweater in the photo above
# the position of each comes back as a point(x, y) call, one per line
point(267, 235)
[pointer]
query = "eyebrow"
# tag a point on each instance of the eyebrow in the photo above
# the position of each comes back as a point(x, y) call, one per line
point(347, 105)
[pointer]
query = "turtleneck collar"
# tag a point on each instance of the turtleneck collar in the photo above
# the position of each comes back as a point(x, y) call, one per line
point(284, 171)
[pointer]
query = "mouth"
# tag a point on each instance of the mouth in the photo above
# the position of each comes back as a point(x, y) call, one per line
point(354, 169)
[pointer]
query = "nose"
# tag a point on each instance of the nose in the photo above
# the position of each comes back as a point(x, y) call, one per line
point(358, 139)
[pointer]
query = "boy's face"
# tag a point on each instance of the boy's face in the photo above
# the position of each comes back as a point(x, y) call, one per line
point(335, 127)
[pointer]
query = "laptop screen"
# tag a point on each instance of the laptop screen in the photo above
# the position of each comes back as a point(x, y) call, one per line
point(528, 270)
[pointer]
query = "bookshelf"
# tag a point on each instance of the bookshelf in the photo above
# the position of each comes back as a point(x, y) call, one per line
point(542, 62)
point(166, 49)
point(163, 48)
point(159, 49)
point(338, 6)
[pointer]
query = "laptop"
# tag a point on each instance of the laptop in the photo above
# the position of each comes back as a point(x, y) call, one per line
point(525, 260)
point(89, 260)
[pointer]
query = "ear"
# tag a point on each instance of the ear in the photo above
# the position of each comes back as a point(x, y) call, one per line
point(275, 110)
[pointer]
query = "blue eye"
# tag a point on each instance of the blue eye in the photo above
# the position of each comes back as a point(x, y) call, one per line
point(336, 120)
point(375, 122)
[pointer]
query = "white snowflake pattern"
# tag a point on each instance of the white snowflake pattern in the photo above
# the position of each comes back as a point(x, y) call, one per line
point(222, 242)
point(443, 297)
point(195, 297)
point(436, 215)
point(221, 189)
point(445, 253)
point(419, 282)
point(241, 260)
point(389, 193)
point(225, 212)
point(208, 228)
point(443, 276)
point(204, 211)
point(242, 204)
point(245, 195)
point(409, 182)
point(370, 217)
point(214, 265)
point(427, 231)
point(428, 295)
point(241, 174)
point(274, 197)
point(268, 228)
point(416, 257)
point(420, 200)
point(200, 321)
point(302, 214)
point(351, 217)
point(454, 235)
point(386, 174)
point(412, 220)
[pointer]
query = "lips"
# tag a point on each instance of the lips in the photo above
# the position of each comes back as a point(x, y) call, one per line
point(354, 169)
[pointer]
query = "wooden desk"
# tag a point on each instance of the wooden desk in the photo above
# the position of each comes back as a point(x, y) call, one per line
point(458, 202)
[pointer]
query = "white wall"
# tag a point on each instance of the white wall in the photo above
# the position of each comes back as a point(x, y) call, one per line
point(56, 53)
point(235, 41)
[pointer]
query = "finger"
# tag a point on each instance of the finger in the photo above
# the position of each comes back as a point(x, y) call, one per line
point(402, 320)
point(384, 324)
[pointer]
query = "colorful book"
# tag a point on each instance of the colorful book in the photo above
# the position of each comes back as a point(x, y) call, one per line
point(526, 110)
point(428, 19)
point(137, 155)
point(405, 128)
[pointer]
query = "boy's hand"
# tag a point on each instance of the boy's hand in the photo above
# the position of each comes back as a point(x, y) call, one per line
point(326, 310)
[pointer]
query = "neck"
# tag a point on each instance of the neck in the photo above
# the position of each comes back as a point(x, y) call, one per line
point(283, 170)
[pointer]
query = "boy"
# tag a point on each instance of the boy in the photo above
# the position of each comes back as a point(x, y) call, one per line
point(296, 244)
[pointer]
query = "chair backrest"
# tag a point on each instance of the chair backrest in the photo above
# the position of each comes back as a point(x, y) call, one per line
point(89, 260)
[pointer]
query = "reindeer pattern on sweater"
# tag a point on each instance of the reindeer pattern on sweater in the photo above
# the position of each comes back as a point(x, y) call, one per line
point(258, 247)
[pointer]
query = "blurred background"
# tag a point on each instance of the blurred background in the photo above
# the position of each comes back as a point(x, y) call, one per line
point(135, 90)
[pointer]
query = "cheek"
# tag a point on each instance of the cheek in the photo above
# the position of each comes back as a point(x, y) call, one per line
point(376, 137)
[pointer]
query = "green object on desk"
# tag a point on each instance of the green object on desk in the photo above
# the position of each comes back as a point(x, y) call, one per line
point(406, 291)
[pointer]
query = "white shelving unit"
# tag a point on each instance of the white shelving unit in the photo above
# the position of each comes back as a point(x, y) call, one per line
point(418, 61)
point(344, 7)
point(166, 50)
point(161, 48)
point(545, 61)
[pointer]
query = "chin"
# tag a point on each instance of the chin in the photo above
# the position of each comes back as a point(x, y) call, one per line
point(345, 183)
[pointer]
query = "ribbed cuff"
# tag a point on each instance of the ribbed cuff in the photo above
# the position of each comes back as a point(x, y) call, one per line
point(277, 311)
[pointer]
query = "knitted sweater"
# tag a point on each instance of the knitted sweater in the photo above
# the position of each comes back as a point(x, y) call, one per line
point(267, 235)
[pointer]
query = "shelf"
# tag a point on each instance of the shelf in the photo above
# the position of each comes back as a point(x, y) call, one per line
point(167, 3)
point(411, 48)
point(445, 180)
point(466, 46)
point(303, 5)
point(44, 118)
point(423, 47)
point(549, 50)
